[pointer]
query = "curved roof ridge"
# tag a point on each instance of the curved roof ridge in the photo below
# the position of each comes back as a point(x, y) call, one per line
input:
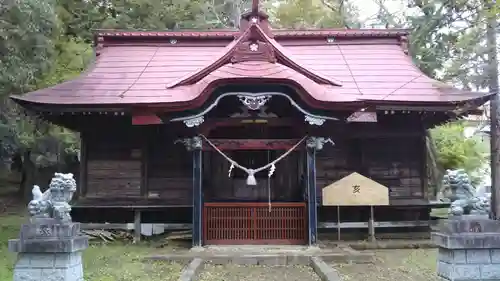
point(254, 45)
point(278, 33)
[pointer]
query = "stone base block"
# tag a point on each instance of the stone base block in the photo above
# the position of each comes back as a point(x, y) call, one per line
point(49, 246)
point(469, 224)
point(49, 267)
point(469, 264)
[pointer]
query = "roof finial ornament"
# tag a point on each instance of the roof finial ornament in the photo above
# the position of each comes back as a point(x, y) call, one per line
point(255, 8)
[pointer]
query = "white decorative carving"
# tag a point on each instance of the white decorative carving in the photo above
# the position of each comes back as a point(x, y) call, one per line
point(314, 120)
point(318, 142)
point(254, 47)
point(173, 41)
point(194, 122)
point(254, 102)
point(246, 99)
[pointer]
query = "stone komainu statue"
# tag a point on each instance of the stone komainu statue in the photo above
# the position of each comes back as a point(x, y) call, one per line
point(458, 189)
point(54, 202)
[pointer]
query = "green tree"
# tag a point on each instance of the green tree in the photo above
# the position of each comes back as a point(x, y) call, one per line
point(28, 29)
point(447, 38)
point(455, 151)
point(78, 19)
point(314, 14)
point(448, 41)
point(152, 14)
point(27, 32)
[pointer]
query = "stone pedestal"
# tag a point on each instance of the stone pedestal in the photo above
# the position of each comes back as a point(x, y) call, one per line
point(49, 250)
point(469, 249)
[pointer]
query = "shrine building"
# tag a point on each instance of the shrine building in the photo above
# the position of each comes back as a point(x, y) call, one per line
point(256, 135)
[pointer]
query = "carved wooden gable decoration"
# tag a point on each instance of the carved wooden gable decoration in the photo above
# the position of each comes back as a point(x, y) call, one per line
point(253, 46)
point(355, 190)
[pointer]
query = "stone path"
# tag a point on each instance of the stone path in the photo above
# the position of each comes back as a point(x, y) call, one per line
point(232, 272)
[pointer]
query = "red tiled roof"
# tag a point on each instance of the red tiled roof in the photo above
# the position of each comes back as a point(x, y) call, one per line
point(375, 70)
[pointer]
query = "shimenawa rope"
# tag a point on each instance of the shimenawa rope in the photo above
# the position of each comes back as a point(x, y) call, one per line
point(251, 172)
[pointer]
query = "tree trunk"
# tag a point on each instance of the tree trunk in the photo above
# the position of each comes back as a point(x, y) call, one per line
point(494, 110)
point(28, 177)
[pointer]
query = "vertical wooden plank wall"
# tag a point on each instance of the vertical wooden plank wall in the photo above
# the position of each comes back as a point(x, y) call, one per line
point(145, 167)
point(169, 169)
point(82, 184)
point(395, 162)
point(113, 163)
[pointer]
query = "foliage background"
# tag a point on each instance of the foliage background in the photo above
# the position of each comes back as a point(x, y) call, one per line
point(455, 151)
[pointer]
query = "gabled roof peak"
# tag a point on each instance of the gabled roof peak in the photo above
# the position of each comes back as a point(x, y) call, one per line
point(254, 44)
point(255, 16)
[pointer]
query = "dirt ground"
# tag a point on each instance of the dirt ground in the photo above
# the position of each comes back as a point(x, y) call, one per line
point(400, 265)
point(257, 273)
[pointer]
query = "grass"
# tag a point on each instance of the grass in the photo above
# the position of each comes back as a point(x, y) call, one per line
point(106, 262)
point(400, 265)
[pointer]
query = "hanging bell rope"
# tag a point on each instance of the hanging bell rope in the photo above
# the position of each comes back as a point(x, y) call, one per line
point(269, 174)
point(251, 172)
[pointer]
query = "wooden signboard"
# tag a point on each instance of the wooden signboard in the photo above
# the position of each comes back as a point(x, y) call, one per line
point(355, 190)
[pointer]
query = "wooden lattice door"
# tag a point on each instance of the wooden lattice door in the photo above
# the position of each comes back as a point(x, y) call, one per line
point(254, 223)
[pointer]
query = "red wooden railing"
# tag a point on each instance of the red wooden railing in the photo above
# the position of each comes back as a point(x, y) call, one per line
point(252, 223)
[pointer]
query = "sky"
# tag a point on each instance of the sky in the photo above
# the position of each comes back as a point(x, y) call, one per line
point(368, 8)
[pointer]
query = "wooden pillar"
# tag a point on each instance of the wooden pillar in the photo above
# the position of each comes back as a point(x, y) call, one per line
point(312, 207)
point(196, 147)
point(371, 225)
point(145, 168)
point(137, 226)
point(82, 182)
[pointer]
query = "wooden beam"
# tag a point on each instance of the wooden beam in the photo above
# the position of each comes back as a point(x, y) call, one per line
point(137, 226)
point(371, 225)
point(146, 119)
point(131, 226)
point(252, 144)
point(376, 224)
point(197, 196)
point(213, 123)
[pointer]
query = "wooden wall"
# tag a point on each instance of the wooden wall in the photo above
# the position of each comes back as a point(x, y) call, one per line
point(169, 169)
point(114, 163)
point(395, 162)
point(144, 162)
point(138, 162)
